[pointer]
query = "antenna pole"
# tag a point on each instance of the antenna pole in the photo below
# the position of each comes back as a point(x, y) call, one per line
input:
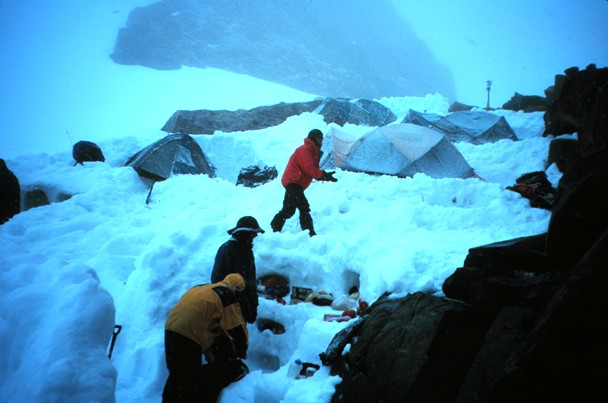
point(489, 86)
point(67, 133)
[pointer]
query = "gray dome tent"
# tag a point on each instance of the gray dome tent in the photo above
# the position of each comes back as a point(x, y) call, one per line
point(402, 150)
point(172, 155)
point(474, 127)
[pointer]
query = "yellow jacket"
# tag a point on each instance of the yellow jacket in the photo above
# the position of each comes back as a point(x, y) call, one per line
point(200, 315)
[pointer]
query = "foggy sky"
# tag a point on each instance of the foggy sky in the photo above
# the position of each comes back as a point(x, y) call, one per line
point(50, 51)
point(519, 45)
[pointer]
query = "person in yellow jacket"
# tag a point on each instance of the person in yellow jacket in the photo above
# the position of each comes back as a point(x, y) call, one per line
point(198, 325)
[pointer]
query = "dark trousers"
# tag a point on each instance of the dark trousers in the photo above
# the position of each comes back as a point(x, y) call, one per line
point(186, 381)
point(189, 380)
point(294, 199)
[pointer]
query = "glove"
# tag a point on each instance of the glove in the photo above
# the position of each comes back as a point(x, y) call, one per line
point(328, 176)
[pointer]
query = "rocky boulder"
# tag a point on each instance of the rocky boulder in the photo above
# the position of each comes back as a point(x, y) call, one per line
point(564, 153)
point(459, 107)
point(406, 349)
point(526, 103)
point(578, 101)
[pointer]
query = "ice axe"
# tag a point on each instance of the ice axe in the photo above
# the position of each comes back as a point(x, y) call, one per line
point(117, 329)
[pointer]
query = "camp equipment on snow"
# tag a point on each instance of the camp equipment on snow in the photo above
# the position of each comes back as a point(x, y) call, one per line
point(330, 317)
point(320, 298)
point(362, 307)
point(298, 369)
point(535, 187)
point(308, 369)
point(273, 285)
point(344, 302)
point(343, 317)
point(254, 176)
point(86, 151)
point(350, 312)
point(294, 369)
point(299, 294)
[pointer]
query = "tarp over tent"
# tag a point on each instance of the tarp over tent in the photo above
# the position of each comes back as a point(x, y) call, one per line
point(173, 154)
point(476, 127)
point(402, 150)
point(363, 112)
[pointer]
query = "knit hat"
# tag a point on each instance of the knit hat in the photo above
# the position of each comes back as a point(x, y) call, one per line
point(246, 223)
point(316, 135)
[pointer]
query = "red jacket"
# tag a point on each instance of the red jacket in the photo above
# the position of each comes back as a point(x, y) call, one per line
point(303, 165)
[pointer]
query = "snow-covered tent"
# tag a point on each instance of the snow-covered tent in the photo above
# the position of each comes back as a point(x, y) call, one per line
point(173, 154)
point(475, 127)
point(402, 150)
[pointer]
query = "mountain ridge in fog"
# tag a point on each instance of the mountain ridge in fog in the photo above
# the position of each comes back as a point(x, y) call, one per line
point(342, 48)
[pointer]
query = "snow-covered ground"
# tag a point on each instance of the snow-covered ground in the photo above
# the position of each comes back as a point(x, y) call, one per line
point(73, 269)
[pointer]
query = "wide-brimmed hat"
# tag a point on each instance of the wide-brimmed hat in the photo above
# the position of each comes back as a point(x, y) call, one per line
point(246, 223)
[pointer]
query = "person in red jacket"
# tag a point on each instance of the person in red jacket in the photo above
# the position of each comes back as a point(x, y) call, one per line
point(302, 168)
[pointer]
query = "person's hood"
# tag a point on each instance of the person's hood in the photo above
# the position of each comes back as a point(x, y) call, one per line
point(234, 281)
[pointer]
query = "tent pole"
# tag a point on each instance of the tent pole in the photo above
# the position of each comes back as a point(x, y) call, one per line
point(150, 192)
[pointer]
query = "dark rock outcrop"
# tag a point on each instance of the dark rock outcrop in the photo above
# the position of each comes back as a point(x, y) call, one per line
point(498, 274)
point(526, 103)
point(404, 353)
point(564, 153)
point(525, 253)
point(521, 321)
point(340, 48)
point(579, 102)
point(10, 199)
point(459, 107)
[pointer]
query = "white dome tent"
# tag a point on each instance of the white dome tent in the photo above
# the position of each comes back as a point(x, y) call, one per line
point(401, 150)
